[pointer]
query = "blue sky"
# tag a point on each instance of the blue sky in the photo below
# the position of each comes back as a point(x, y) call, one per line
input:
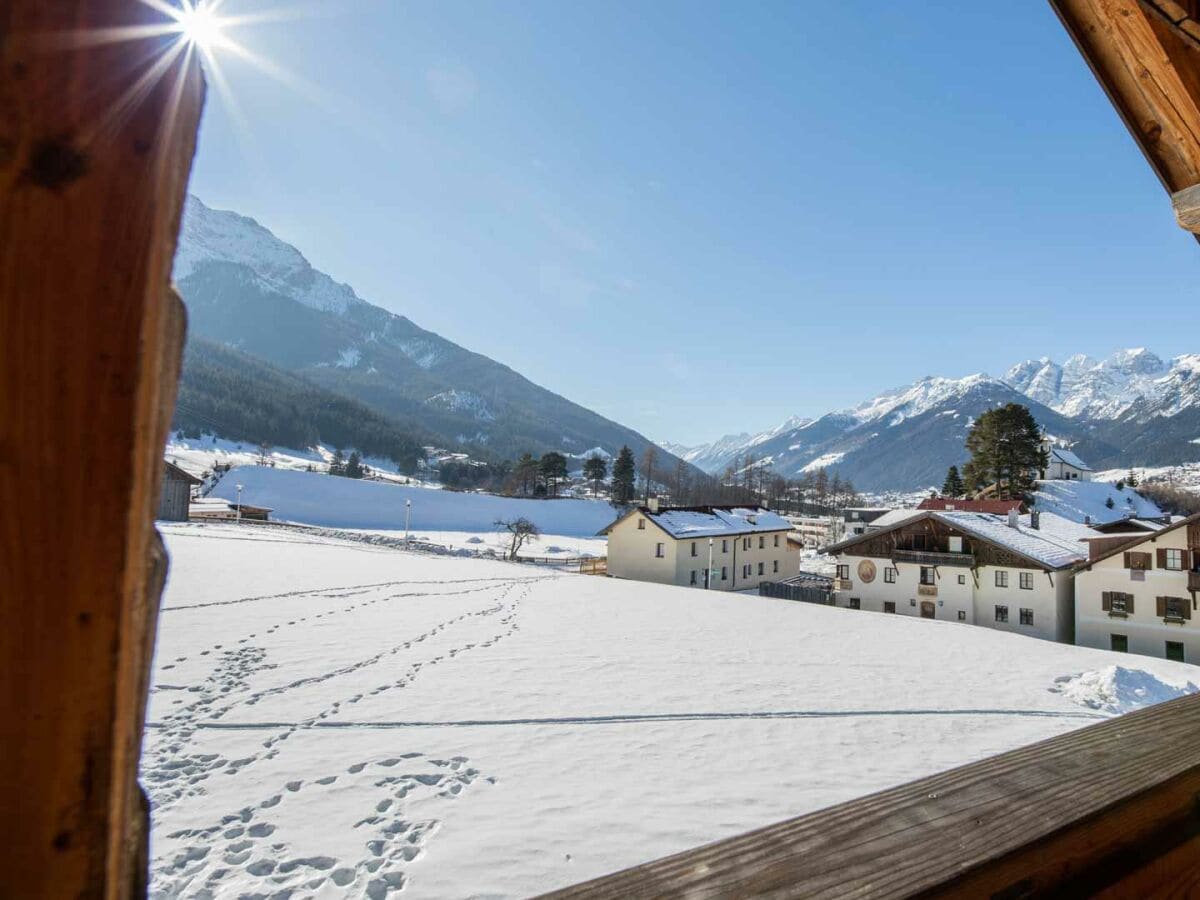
point(698, 218)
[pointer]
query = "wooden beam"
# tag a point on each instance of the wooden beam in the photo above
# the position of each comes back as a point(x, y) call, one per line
point(1112, 807)
point(1187, 208)
point(94, 161)
point(1150, 70)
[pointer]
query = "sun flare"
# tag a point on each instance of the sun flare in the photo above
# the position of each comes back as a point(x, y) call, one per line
point(200, 25)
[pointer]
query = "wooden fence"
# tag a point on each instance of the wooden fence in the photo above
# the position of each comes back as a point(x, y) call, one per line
point(586, 565)
point(803, 593)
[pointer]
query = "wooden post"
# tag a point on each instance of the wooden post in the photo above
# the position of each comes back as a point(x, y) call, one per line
point(94, 161)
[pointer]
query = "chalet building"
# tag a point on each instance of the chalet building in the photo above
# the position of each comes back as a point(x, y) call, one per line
point(1063, 465)
point(176, 493)
point(671, 545)
point(1137, 592)
point(216, 509)
point(1013, 573)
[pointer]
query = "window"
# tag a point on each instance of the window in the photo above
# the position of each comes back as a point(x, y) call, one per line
point(855, 603)
point(1001, 579)
point(912, 602)
point(1116, 603)
point(693, 548)
point(746, 570)
point(760, 568)
point(776, 540)
point(843, 571)
point(1001, 613)
point(725, 546)
point(889, 575)
point(962, 579)
point(889, 606)
point(1135, 560)
point(745, 543)
point(1171, 559)
point(641, 524)
point(1026, 616)
point(724, 573)
point(762, 542)
point(1118, 642)
point(927, 576)
point(1026, 581)
point(1174, 608)
point(775, 566)
point(693, 576)
point(962, 615)
point(658, 551)
point(1175, 651)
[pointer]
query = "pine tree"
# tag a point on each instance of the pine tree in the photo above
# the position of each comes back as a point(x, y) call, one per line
point(553, 468)
point(337, 466)
point(623, 476)
point(595, 468)
point(354, 467)
point(953, 485)
point(1131, 479)
point(1006, 450)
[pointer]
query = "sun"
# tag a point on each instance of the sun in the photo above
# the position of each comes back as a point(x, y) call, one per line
point(200, 25)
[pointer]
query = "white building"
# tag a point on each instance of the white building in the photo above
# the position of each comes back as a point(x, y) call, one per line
point(1012, 573)
point(727, 548)
point(858, 519)
point(816, 531)
point(1137, 592)
point(1063, 465)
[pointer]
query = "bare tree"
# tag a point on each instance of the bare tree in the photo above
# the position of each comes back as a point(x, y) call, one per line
point(649, 458)
point(519, 531)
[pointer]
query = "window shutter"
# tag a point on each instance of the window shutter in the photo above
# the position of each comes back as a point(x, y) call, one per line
point(1160, 606)
point(1106, 601)
point(1161, 553)
point(1128, 560)
point(1129, 603)
point(1186, 607)
point(1187, 560)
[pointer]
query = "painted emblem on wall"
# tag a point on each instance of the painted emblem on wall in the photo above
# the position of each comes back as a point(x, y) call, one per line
point(866, 571)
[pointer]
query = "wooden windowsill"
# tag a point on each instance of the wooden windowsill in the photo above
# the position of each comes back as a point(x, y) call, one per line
point(1116, 614)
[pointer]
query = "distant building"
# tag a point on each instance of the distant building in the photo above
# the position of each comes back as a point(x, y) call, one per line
point(995, 507)
point(1063, 465)
point(857, 519)
point(1012, 573)
point(1137, 592)
point(214, 508)
point(816, 531)
point(671, 545)
point(176, 493)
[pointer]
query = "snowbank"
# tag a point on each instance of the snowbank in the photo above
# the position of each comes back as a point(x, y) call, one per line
point(1077, 500)
point(348, 503)
point(1116, 689)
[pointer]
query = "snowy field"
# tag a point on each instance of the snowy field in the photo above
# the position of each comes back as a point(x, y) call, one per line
point(554, 546)
point(337, 719)
point(317, 499)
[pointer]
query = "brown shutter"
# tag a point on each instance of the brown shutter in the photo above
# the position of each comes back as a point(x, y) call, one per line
point(1186, 607)
point(1162, 557)
point(1129, 603)
point(1160, 606)
point(1187, 560)
point(1105, 601)
point(1128, 560)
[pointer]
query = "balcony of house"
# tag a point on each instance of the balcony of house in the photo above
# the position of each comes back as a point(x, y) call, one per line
point(934, 558)
point(1193, 581)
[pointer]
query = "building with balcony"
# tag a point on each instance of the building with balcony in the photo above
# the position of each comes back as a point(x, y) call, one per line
point(1137, 592)
point(1012, 573)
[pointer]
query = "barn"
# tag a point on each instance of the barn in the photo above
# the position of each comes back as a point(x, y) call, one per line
point(176, 493)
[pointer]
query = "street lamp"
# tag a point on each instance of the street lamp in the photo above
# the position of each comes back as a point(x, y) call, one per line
point(239, 503)
point(407, 516)
point(708, 574)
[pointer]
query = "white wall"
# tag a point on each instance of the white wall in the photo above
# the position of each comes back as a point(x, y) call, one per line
point(631, 551)
point(1146, 632)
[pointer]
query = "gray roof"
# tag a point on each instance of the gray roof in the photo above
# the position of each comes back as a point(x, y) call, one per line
point(682, 523)
point(1066, 456)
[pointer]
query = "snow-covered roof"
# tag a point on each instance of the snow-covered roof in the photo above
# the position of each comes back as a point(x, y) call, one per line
point(712, 521)
point(893, 517)
point(1066, 456)
point(1057, 543)
point(1077, 499)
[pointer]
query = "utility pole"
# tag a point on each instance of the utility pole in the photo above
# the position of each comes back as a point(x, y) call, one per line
point(239, 503)
point(407, 518)
point(708, 574)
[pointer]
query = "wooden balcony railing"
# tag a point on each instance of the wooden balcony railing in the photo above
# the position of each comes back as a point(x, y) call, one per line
point(1110, 810)
point(934, 558)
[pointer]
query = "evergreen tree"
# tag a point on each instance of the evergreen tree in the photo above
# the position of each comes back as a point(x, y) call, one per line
point(623, 474)
point(1109, 503)
point(337, 466)
point(354, 467)
point(1006, 450)
point(595, 469)
point(1131, 479)
point(525, 474)
point(953, 485)
point(553, 468)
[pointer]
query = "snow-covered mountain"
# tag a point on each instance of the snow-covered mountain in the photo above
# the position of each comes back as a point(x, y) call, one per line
point(248, 290)
point(726, 451)
point(1132, 408)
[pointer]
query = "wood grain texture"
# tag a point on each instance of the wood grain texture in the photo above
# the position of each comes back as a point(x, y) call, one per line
point(1187, 208)
point(93, 174)
point(1151, 72)
point(1103, 808)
